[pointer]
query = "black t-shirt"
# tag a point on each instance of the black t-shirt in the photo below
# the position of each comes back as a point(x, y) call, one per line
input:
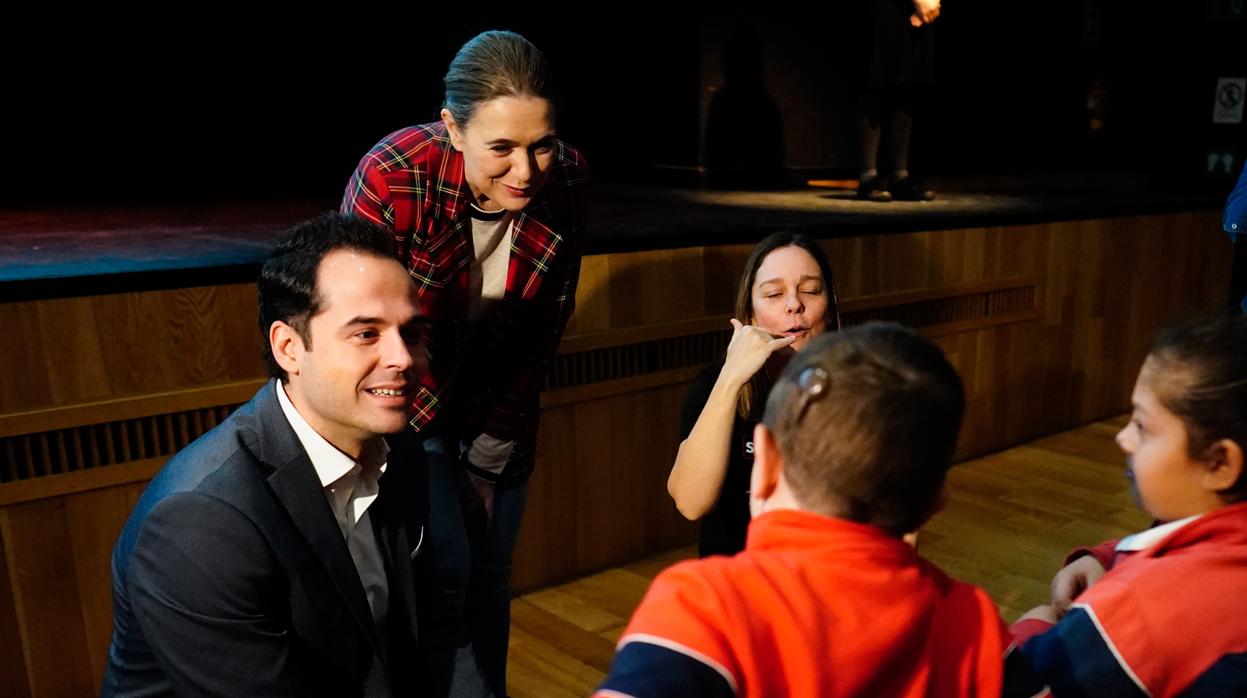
point(723, 528)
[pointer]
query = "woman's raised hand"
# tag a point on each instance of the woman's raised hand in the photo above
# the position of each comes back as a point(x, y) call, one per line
point(748, 351)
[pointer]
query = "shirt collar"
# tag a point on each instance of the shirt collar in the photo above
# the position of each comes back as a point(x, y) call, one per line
point(1146, 539)
point(788, 529)
point(480, 214)
point(330, 463)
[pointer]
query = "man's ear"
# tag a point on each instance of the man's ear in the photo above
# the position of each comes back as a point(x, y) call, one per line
point(287, 347)
point(452, 129)
point(1223, 466)
point(768, 463)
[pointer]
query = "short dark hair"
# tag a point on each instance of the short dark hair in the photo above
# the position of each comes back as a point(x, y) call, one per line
point(287, 285)
point(874, 442)
point(494, 64)
point(759, 385)
point(1201, 376)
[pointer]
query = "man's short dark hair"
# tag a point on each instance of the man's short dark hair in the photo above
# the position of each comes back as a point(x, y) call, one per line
point(866, 420)
point(287, 283)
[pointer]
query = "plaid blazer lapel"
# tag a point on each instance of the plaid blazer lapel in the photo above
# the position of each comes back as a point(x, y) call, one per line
point(447, 244)
point(534, 249)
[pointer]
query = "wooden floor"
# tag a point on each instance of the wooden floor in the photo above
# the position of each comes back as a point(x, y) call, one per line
point(1011, 519)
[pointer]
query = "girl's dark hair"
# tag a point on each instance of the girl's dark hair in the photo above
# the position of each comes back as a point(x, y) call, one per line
point(1200, 374)
point(760, 384)
point(494, 64)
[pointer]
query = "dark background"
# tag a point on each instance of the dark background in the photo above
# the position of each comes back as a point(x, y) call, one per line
point(231, 102)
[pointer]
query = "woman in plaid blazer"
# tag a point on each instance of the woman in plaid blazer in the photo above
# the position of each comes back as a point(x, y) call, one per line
point(487, 207)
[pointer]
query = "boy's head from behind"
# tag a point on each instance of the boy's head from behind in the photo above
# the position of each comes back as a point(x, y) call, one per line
point(861, 425)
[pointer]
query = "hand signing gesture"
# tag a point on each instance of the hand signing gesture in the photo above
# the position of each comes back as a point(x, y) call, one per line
point(748, 351)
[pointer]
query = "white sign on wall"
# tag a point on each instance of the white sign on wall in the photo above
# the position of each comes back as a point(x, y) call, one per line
point(1228, 105)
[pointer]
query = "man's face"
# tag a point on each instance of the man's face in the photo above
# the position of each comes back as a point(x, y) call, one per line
point(364, 357)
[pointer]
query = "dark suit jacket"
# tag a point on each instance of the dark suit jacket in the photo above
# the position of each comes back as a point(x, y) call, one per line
point(232, 578)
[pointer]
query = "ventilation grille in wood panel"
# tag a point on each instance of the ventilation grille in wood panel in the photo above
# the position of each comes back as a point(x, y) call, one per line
point(930, 313)
point(612, 363)
point(29, 456)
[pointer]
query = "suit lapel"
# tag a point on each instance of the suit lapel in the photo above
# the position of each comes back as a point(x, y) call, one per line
point(401, 512)
point(397, 548)
point(296, 486)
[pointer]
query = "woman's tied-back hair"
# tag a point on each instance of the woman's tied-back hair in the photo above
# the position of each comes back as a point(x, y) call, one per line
point(1199, 373)
point(760, 383)
point(866, 420)
point(494, 64)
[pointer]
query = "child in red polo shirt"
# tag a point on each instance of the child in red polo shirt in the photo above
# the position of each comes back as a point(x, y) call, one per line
point(827, 599)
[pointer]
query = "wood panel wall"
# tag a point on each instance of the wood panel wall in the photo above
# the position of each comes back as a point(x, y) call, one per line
point(1099, 290)
point(69, 351)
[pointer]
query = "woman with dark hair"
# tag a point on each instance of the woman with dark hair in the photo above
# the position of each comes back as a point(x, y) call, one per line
point(487, 207)
point(786, 297)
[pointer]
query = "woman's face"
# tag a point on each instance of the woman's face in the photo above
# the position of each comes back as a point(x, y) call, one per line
point(789, 296)
point(508, 148)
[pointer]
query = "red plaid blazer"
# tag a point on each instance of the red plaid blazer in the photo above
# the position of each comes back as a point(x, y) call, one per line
point(412, 183)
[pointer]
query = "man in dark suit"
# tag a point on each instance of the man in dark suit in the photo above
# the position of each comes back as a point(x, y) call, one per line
point(276, 555)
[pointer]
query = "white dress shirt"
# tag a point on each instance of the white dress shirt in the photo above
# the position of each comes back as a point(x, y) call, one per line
point(350, 488)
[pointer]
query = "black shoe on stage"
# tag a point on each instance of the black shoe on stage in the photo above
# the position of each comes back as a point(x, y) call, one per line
point(908, 190)
point(872, 188)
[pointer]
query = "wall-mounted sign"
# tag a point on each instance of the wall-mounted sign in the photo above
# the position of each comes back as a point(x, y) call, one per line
point(1220, 162)
point(1228, 104)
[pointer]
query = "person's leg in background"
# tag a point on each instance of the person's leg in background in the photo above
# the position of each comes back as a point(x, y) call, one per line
point(489, 589)
point(869, 184)
point(902, 187)
point(899, 128)
point(447, 637)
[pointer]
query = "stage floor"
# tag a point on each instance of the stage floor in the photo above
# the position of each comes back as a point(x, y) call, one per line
point(42, 248)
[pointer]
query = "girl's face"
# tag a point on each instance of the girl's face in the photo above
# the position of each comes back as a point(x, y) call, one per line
point(789, 296)
point(508, 149)
point(1167, 482)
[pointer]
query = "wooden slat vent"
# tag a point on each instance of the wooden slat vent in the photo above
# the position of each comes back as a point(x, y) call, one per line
point(928, 314)
point(27, 456)
point(964, 311)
